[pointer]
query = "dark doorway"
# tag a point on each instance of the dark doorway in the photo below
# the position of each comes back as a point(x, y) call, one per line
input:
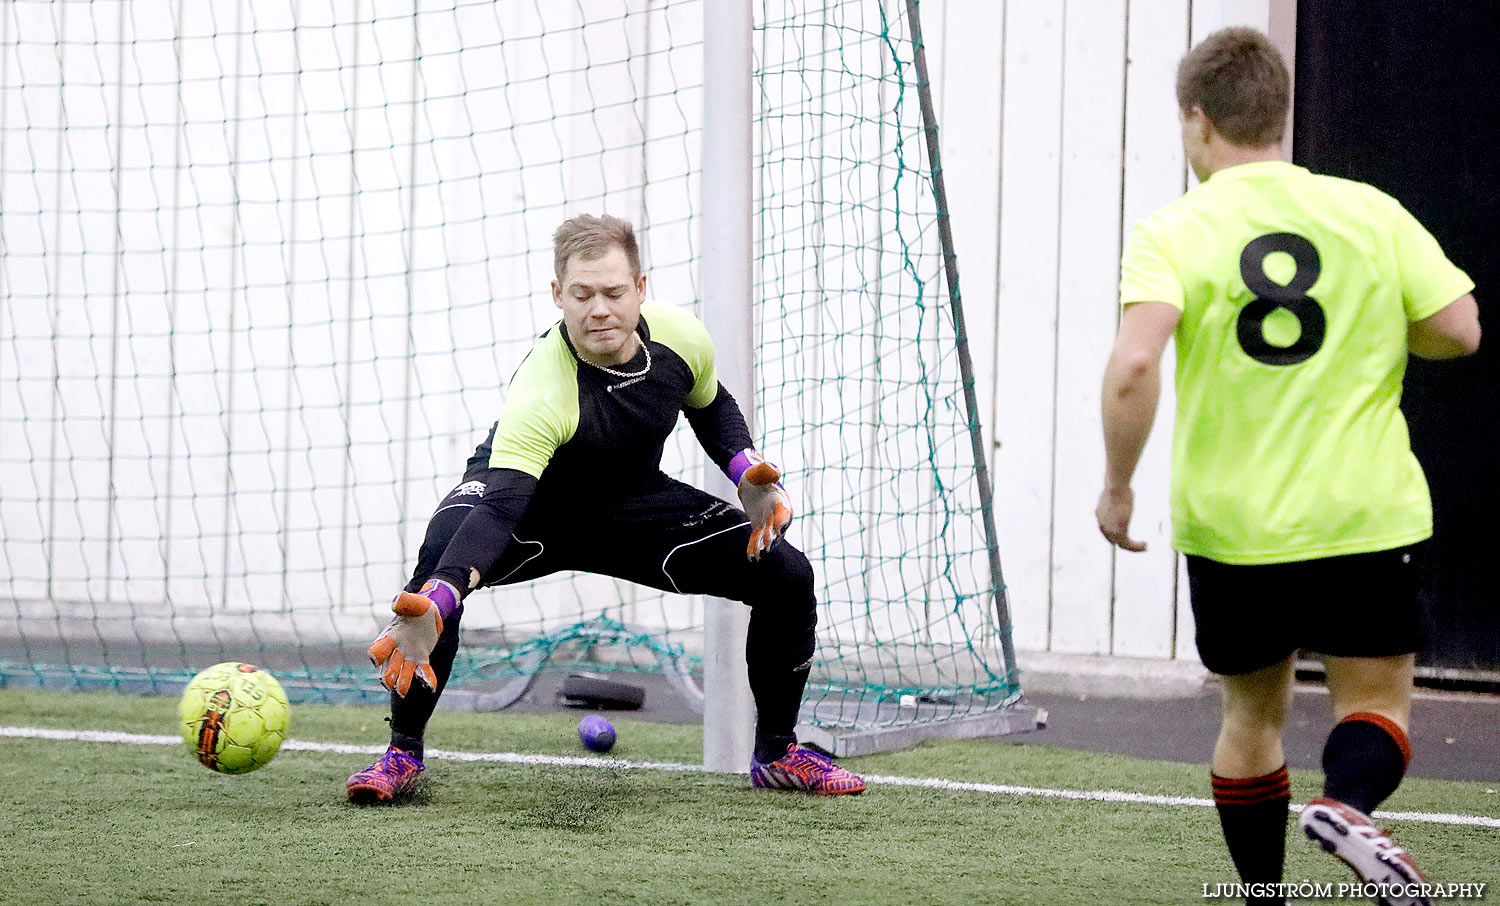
point(1406, 96)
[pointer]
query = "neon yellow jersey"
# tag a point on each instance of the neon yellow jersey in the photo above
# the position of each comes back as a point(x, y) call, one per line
point(1296, 291)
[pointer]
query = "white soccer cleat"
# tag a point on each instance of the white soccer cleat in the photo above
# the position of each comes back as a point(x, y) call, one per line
point(1348, 833)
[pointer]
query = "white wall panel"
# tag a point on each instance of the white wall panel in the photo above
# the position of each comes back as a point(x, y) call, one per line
point(1208, 16)
point(967, 77)
point(1026, 319)
point(1088, 246)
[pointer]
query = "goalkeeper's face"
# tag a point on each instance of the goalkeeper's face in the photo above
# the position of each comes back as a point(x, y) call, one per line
point(600, 300)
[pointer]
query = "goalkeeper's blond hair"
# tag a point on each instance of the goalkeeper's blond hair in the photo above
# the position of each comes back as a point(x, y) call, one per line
point(593, 237)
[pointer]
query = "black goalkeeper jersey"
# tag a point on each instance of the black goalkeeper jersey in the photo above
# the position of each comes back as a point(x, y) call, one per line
point(573, 425)
point(573, 435)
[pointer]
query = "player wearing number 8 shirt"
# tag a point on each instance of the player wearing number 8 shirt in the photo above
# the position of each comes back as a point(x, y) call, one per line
point(1294, 300)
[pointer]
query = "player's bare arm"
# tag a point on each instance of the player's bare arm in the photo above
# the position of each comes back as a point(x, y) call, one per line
point(1132, 386)
point(1451, 333)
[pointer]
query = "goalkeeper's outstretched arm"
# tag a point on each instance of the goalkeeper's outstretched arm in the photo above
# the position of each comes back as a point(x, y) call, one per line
point(485, 533)
point(404, 649)
point(721, 429)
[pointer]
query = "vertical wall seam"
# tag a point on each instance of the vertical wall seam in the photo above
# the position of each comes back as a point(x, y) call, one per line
point(1062, 101)
point(1114, 552)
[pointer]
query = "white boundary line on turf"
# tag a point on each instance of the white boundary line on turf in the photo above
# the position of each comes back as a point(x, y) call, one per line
point(573, 761)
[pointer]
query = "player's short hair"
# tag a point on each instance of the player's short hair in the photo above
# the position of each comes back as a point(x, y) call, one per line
point(593, 237)
point(1237, 77)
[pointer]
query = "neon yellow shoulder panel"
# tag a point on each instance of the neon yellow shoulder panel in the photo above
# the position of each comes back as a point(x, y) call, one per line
point(686, 336)
point(541, 408)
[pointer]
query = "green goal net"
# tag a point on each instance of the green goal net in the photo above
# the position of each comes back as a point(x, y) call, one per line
point(265, 269)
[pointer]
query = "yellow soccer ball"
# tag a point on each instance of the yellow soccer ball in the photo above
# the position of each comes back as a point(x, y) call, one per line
point(233, 717)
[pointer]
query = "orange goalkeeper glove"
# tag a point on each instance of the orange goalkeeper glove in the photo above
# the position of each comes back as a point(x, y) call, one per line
point(405, 647)
point(765, 501)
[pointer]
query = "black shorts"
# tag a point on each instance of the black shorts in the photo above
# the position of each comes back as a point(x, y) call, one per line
point(669, 536)
point(676, 538)
point(1357, 605)
point(672, 537)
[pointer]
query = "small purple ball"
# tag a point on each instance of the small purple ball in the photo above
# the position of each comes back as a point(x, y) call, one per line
point(596, 733)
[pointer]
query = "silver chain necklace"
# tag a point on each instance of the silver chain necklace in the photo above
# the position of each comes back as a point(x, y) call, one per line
point(630, 374)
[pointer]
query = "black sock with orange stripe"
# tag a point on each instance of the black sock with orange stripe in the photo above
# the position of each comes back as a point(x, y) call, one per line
point(1253, 813)
point(1364, 760)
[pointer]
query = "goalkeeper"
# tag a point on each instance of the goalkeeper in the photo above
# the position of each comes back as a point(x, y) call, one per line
point(570, 478)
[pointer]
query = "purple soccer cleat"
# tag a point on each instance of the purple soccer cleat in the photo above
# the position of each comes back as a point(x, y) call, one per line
point(391, 776)
point(807, 771)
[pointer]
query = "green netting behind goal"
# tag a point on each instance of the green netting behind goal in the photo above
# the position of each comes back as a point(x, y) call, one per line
point(265, 269)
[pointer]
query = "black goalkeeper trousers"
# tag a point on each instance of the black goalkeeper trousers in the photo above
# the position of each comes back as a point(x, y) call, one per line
point(678, 539)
